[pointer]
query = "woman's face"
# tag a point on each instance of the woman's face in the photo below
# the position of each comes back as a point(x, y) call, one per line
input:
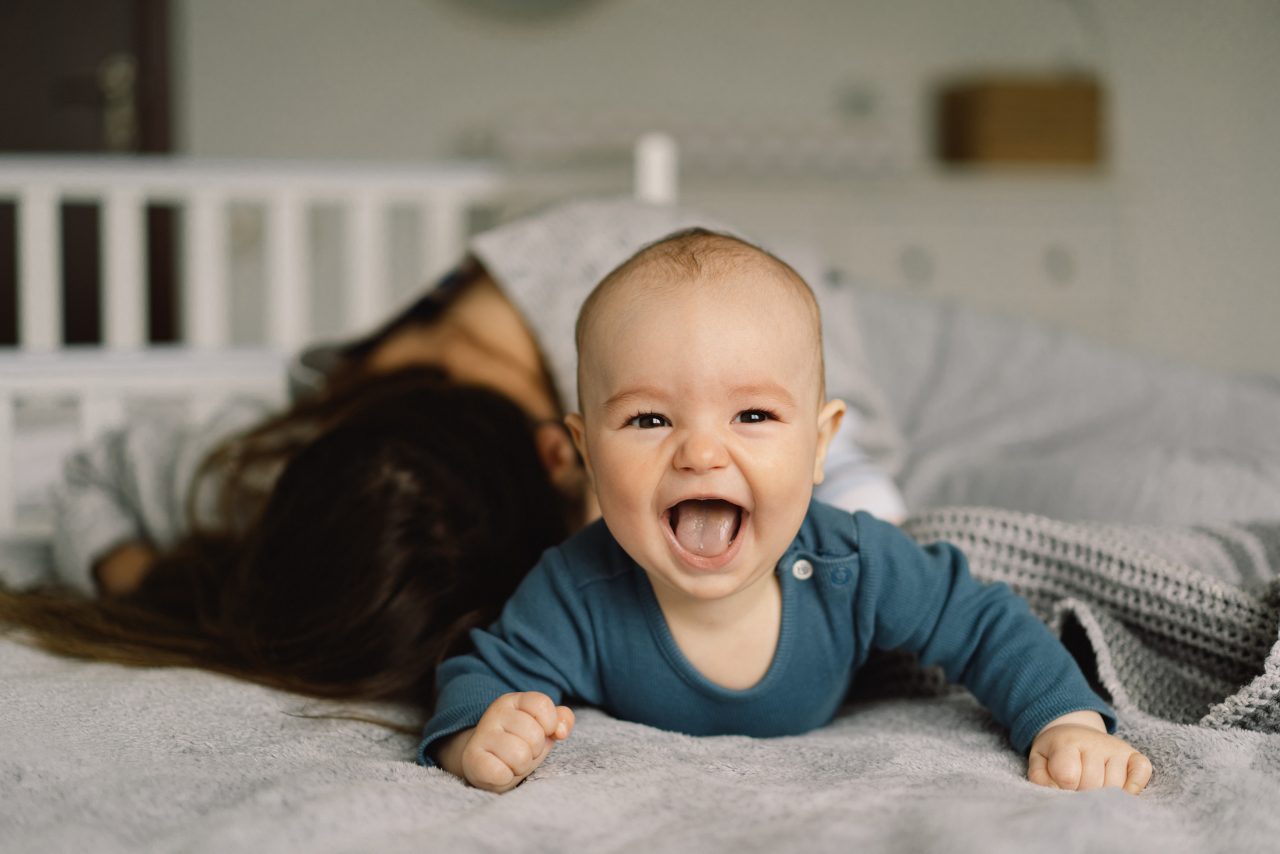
point(467, 359)
point(481, 339)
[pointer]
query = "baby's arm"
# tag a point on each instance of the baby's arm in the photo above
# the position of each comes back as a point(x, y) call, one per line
point(987, 638)
point(1076, 752)
point(515, 734)
point(496, 715)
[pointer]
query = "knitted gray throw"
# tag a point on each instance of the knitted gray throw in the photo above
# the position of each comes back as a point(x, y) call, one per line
point(1181, 622)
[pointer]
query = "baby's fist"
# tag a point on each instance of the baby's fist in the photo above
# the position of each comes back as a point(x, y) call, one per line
point(515, 734)
point(1079, 756)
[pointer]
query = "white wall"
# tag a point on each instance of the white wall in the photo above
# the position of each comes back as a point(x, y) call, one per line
point(1195, 111)
point(1197, 90)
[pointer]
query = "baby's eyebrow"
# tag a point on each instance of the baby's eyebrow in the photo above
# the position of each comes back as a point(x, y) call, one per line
point(624, 397)
point(765, 389)
point(768, 390)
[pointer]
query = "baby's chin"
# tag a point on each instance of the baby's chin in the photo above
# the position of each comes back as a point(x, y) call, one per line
point(705, 587)
point(703, 590)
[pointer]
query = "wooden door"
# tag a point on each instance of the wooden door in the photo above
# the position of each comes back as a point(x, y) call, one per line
point(87, 76)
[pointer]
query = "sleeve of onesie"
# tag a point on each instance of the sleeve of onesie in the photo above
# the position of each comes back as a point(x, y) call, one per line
point(542, 641)
point(983, 635)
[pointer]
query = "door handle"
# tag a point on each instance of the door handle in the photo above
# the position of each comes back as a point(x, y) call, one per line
point(118, 84)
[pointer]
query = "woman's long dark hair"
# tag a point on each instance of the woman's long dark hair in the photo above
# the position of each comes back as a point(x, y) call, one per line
point(361, 534)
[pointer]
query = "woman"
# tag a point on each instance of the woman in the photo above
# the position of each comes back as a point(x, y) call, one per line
point(345, 546)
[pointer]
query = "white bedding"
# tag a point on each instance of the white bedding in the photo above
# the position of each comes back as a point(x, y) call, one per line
point(1003, 413)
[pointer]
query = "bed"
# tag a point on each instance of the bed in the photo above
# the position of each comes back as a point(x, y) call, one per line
point(1137, 504)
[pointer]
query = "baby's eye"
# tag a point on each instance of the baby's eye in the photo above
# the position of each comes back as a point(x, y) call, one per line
point(754, 416)
point(648, 420)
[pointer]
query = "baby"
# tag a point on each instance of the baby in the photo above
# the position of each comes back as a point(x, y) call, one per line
point(715, 596)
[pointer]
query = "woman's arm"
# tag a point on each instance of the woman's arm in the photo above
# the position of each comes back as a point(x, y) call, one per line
point(125, 495)
point(121, 570)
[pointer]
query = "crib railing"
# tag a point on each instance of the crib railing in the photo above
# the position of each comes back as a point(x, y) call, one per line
point(443, 194)
point(93, 388)
point(203, 192)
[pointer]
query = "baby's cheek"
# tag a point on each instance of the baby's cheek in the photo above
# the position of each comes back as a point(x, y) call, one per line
point(613, 468)
point(783, 492)
point(787, 473)
point(620, 488)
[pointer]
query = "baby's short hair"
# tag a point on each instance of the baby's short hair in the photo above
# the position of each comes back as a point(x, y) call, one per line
point(688, 254)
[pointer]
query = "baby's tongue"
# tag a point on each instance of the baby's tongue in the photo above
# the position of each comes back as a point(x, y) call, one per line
point(705, 527)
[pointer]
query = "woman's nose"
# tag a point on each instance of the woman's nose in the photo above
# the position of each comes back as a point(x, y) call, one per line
point(701, 450)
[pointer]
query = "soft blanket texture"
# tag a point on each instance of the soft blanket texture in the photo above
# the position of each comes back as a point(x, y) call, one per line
point(1188, 645)
point(95, 758)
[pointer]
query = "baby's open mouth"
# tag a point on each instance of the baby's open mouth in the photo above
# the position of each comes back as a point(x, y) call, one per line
point(705, 527)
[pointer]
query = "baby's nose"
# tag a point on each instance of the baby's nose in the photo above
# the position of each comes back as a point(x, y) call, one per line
point(701, 450)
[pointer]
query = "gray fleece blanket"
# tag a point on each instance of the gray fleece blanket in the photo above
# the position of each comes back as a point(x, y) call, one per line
point(1177, 624)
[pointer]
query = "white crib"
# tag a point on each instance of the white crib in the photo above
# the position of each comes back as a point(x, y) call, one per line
point(53, 397)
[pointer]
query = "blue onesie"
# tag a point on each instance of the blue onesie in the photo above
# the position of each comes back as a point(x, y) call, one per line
point(585, 624)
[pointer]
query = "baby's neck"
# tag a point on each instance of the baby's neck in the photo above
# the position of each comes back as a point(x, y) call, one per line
point(730, 641)
point(723, 613)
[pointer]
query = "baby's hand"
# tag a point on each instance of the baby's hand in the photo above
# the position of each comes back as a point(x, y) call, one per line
point(515, 734)
point(1076, 752)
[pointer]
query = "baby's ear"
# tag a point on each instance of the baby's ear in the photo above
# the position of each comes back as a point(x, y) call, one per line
point(555, 449)
point(828, 425)
point(556, 443)
point(578, 432)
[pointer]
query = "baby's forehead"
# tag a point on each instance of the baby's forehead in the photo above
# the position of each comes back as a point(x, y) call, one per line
point(753, 296)
point(697, 276)
point(749, 278)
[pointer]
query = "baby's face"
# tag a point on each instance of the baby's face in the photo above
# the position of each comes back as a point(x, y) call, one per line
point(703, 428)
